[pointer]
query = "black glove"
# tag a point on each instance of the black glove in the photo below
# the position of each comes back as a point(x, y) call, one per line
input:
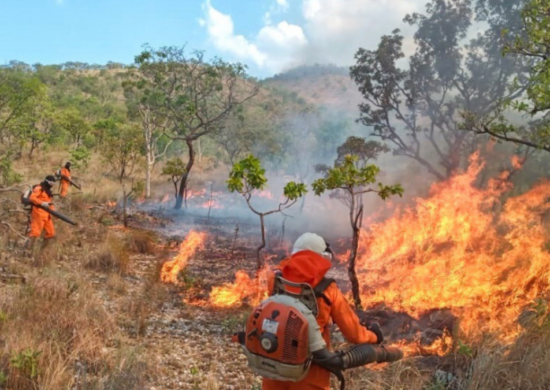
point(375, 328)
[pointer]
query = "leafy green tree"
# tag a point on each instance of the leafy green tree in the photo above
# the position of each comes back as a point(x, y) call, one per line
point(351, 179)
point(144, 105)
point(415, 108)
point(195, 96)
point(530, 44)
point(35, 125)
point(80, 157)
point(74, 124)
point(248, 176)
point(175, 168)
point(123, 150)
point(17, 88)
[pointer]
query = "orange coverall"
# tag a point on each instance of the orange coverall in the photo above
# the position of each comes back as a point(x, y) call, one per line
point(40, 219)
point(64, 183)
point(310, 267)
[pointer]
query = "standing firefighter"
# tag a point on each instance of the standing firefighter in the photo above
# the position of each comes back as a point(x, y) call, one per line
point(65, 175)
point(287, 337)
point(40, 219)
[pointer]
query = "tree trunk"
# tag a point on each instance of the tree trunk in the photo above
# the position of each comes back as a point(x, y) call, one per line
point(351, 268)
point(148, 181)
point(33, 147)
point(183, 183)
point(355, 227)
point(124, 201)
point(262, 246)
point(148, 169)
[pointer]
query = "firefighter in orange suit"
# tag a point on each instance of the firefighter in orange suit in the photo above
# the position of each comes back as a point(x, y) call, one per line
point(41, 220)
point(65, 172)
point(308, 264)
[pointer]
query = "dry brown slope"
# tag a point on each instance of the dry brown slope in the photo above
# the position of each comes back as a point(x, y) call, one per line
point(327, 86)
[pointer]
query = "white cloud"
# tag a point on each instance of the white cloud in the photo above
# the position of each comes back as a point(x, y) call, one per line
point(272, 48)
point(337, 28)
point(332, 32)
point(221, 31)
point(283, 4)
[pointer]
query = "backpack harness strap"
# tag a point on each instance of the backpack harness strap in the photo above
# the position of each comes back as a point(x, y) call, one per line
point(320, 289)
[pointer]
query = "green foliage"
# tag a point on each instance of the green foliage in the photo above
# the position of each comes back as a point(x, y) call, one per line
point(360, 147)
point(527, 44)
point(138, 188)
point(464, 349)
point(174, 167)
point(533, 42)
point(8, 176)
point(412, 103)
point(123, 149)
point(293, 190)
point(26, 362)
point(247, 175)
point(80, 157)
point(3, 378)
point(348, 176)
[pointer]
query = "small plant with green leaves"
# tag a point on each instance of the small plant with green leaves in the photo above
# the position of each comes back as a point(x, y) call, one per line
point(3, 378)
point(248, 176)
point(351, 178)
point(8, 176)
point(464, 349)
point(26, 363)
point(80, 157)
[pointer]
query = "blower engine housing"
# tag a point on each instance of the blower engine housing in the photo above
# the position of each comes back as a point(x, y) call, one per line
point(280, 336)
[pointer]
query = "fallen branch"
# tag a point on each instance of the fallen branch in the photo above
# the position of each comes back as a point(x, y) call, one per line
point(13, 230)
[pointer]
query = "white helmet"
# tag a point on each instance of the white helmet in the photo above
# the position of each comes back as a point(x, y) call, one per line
point(312, 242)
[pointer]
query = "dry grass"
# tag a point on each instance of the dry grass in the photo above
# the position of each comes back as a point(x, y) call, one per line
point(141, 241)
point(48, 324)
point(113, 256)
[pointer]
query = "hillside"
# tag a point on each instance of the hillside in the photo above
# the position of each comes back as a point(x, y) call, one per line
point(321, 85)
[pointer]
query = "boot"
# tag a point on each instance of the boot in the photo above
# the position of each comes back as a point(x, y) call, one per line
point(45, 243)
point(29, 245)
point(28, 249)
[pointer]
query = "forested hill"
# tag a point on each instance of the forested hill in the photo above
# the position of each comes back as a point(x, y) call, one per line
point(322, 85)
point(83, 107)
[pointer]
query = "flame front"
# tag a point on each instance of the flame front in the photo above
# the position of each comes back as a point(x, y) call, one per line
point(171, 269)
point(461, 249)
point(244, 289)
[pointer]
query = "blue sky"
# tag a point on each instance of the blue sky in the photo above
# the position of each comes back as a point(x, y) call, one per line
point(267, 35)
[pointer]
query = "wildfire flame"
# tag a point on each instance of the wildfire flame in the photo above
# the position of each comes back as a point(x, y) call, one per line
point(264, 194)
point(211, 204)
point(243, 289)
point(171, 269)
point(517, 162)
point(464, 250)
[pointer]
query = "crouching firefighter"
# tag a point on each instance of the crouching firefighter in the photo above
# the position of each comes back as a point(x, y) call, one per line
point(287, 338)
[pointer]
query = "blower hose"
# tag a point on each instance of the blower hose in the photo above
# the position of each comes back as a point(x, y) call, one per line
point(362, 354)
point(56, 214)
point(357, 356)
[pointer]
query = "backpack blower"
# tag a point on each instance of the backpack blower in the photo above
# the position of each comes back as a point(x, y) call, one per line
point(25, 201)
point(282, 338)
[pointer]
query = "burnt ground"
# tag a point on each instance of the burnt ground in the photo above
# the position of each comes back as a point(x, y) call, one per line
point(187, 344)
point(192, 340)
